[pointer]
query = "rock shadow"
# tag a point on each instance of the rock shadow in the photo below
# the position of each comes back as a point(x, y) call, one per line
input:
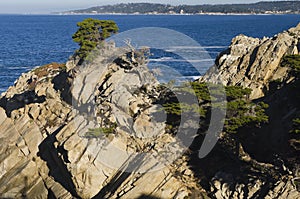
point(55, 159)
point(147, 197)
point(62, 83)
point(20, 100)
point(121, 175)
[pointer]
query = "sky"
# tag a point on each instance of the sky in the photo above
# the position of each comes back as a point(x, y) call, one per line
point(48, 6)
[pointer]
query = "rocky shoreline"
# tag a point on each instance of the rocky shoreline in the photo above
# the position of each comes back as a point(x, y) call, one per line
point(57, 119)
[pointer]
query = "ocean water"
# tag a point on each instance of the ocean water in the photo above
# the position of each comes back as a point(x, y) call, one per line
point(28, 41)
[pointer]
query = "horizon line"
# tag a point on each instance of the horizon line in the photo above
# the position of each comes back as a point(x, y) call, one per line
point(76, 9)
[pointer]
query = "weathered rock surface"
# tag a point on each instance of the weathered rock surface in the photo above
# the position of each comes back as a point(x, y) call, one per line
point(259, 171)
point(46, 148)
point(253, 63)
point(224, 186)
point(95, 131)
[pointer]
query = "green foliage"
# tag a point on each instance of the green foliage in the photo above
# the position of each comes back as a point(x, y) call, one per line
point(296, 126)
point(179, 108)
point(240, 110)
point(204, 92)
point(241, 113)
point(292, 61)
point(92, 32)
point(201, 91)
point(295, 134)
point(237, 92)
point(97, 132)
point(191, 88)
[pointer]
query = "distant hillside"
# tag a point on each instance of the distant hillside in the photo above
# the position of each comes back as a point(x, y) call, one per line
point(271, 7)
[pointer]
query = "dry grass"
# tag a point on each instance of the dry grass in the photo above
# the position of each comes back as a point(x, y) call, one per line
point(44, 70)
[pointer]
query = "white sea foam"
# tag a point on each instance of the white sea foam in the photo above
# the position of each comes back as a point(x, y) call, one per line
point(192, 77)
point(197, 47)
point(18, 67)
point(170, 59)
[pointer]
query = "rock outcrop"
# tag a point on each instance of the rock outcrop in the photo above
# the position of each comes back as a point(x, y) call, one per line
point(96, 130)
point(264, 152)
point(74, 132)
point(224, 186)
point(253, 63)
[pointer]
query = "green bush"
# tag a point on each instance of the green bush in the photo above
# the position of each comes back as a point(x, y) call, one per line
point(205, 92)
point(292, 61)
point(241, 113)
point(179, 108)
point(237, 92)
point(240, 110)
point(97, 132)
point(296, 126)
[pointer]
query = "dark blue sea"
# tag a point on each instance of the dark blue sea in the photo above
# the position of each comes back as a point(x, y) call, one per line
point(28, 41)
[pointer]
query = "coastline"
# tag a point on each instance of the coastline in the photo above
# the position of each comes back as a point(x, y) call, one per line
point(152, 14)
point(108, 128)
point(177, 14)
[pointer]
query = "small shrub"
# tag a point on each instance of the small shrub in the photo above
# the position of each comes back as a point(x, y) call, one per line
point(180, 108)
point(98, 132)
point(237, 92)
point(43, 71)
point(296, 126)
point(293, 62)
point(241, 113)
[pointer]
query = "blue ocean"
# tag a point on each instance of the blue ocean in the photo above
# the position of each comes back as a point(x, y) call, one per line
point(28, 41)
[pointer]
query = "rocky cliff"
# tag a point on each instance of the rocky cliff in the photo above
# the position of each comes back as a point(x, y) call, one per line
point(96, 130)
point(254, 63)
point(258, 64)
point(52, 146)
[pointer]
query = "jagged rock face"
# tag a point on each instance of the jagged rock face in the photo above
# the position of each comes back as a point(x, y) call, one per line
point(224, 186)
point(253, 63)
point(45, 147)
point(53, 123)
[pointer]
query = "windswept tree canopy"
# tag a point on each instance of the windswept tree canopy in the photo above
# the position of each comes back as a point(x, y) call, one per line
point(92, 32)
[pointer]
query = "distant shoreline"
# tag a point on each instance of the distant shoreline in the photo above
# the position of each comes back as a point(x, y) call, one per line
point(157, 14)
point(258, 8)
point(167, 14)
